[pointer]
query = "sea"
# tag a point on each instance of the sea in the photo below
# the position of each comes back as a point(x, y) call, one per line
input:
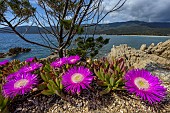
point(8, 41)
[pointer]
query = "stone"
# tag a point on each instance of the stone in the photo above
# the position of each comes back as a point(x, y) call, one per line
point(151, 46)
point(162, 49)
point(139, 59)
point(159, 43)
point(51, 57)
point(14, 52)
point(2, 55)
point(143, 47)
point(18, 50)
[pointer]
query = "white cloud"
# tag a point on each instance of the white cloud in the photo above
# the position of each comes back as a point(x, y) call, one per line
point(143, 10)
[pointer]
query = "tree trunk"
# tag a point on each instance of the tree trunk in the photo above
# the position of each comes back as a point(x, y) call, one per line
point(60, 53)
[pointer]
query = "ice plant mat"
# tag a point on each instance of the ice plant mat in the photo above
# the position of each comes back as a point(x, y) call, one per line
point(91, 102)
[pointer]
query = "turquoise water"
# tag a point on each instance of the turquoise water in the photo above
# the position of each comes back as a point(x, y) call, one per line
point(11, 40)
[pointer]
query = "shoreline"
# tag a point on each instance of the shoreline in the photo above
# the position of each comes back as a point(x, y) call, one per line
point(128, 35)
point(144, 35)
point(104, 35)
point(136, 35)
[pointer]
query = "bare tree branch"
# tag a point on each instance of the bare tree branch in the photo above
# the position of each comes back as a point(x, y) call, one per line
point(62, 19)
point(13, 28)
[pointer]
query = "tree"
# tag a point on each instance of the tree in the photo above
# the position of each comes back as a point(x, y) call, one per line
point(64, 17)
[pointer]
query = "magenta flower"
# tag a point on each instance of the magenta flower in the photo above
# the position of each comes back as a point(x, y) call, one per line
point(20, 85)
point(31, 67)
point(73, 59)
point(12, 76)
point(77, 78)
point(59, 62)
point(144, 85)
point(29, 60)
point(4, 62)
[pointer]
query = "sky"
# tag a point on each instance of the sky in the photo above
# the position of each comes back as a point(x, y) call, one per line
point(132, 10)
point(142, 10)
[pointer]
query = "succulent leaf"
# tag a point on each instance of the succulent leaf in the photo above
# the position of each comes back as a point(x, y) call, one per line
point(57, 82)
point(61, 86)
point(107, 90)
point(44, 77)
point(47, 92)
point(3, 102)
point(111, 81)
point(110, 73)
point(50, 87)
point(57, 92)
point(47, 68)
point(42, 86)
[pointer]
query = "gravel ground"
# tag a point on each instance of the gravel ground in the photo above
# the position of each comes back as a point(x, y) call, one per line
point(90, 102)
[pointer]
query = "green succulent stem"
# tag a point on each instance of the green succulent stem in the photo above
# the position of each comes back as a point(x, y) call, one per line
point(110, 74)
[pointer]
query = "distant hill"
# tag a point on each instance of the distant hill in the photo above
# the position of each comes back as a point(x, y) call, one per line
point(133, 28)
point(117, 28)
point(23, 29)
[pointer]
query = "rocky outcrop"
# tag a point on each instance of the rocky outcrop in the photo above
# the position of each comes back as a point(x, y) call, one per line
point(17, 50)
point(14, 51)
point(140, 58)
point(143, 47)
point(2, 55)
point(162, 49)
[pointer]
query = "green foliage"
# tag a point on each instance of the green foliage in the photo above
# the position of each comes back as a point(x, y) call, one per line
point(3, 102)
point(54, 87)
point(88, 46)
point(110, 74)
point(22, 8)
point(52, 78)
point(66, 24)
point(51, 81)
point(19, 8)
point(58, 5)
point(11, 67)
point(78, 29)
point(3, 8)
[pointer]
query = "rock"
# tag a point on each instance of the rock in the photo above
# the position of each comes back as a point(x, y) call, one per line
point(114, 50)
point(51, 57)
point(143, 47)
point(14, 51)
point(151, 46)
point(18, 50)
point(159, 43)
point(2, 55)
point(162, 49)
point(139, 59)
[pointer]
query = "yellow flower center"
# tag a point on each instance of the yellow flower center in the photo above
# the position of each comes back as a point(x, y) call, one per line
point(77, 77)
point(20, 83)
point(141, 83)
